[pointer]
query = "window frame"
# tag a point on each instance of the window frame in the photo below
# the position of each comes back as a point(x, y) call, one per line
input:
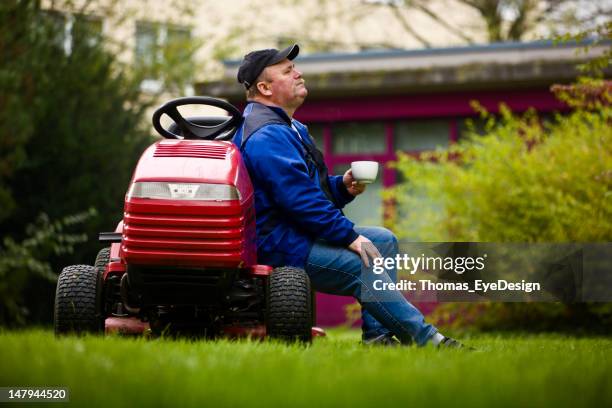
point(389, 155)
point(154, 83)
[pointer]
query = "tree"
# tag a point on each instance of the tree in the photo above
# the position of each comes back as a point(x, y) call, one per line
point(71, 130)
point(501, 20)
point(513, 20)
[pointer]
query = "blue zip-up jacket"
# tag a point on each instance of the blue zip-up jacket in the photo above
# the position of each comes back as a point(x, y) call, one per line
point(291, 208)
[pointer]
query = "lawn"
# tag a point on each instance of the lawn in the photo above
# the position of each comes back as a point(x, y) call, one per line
point(546, 370)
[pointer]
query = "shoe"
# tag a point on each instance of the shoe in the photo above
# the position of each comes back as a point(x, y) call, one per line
point(387, 340)
point(449, 342)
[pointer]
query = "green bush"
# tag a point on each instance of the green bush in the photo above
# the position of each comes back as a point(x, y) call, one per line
point(523, 180)
point(72, 127)
point(72, 123)
point(28, 260)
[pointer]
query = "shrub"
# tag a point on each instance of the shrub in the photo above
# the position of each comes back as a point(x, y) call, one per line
point(71, 129)
point(28, 260)
point(524, 180)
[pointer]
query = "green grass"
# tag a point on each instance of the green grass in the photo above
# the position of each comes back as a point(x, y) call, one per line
point(547, 370)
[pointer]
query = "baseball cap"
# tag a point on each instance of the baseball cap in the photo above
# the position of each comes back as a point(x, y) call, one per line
point(255, 62)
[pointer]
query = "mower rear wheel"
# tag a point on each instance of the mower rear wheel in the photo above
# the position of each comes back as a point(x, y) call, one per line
point(77, 308)
point(102, 259)
point(289, 305)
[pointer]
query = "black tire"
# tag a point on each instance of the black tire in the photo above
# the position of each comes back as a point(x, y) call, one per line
point(77, 308)
point(313, 306)
point(102, 259)
point(289, 305)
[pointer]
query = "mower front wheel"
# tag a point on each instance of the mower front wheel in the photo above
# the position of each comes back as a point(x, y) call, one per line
point(102, 259)
point(289, 305)
point(77, 308)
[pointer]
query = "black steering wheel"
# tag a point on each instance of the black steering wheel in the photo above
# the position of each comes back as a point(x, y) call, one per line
point(189, 127)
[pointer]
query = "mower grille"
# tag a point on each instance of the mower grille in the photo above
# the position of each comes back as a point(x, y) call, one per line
point(189, 236)
point(186, 149)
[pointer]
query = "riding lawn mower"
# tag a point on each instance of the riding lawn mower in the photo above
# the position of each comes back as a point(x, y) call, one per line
point(183, 260)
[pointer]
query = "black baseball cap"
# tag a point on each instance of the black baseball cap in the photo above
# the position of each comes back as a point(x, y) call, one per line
point(255, 62)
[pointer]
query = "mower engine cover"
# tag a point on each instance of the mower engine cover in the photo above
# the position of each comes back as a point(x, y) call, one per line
point(190, 203)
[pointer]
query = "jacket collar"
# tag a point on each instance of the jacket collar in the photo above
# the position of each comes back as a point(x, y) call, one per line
point(279, 111)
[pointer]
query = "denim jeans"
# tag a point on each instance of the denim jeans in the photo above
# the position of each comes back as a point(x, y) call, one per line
point(340, 271)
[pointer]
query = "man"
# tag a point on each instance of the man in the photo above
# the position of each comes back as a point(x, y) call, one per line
point(298, 205)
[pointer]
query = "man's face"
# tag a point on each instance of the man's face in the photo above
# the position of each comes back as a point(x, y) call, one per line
point(285, 84)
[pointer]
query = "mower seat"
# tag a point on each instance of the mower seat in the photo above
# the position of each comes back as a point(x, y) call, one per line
point(206, 121)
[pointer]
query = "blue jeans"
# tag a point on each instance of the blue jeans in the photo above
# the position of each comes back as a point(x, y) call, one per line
point(340, 271)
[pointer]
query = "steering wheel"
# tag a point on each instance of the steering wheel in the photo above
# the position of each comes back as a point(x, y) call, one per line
point(189, 129)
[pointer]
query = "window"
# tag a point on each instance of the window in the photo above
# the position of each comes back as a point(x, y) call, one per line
point(366, 209)
point(158, 44)
point(70, 30)
point(163, 53)
point(146, 44)
point(367, 140)
point(56, 24)
point(86, 29)
point(316, 131)
point(418, 135)
point(359, 137)
point(177, 44)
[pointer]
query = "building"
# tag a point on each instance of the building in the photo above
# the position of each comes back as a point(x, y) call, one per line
point(368, 105)
point(156, 33)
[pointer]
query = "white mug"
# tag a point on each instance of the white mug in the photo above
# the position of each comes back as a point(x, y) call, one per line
point(364, 172)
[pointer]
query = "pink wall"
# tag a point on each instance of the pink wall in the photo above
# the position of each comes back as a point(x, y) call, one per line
point(424, 105)
point(331, 309)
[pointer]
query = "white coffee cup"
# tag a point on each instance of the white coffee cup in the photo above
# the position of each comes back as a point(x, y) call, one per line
point(364, 172)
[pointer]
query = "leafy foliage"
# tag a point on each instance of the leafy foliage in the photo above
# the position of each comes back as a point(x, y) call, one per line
point(70, 123)
point(71, 130)
point(20, 262)
point(523, 181)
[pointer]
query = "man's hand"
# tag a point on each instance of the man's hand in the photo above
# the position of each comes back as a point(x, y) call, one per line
point(354, 188)
point(365, 249)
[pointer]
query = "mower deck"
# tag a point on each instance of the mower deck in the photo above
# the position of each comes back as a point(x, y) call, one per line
point(134, 326)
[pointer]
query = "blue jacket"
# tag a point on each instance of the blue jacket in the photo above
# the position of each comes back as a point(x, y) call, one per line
point(291, 207)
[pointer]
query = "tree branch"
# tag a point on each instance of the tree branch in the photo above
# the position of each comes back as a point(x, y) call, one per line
point(489, 11)
point(519, 25)
point(443, 23)
point(471, 3)
point(402, 19)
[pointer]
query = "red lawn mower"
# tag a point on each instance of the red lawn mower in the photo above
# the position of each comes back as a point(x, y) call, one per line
point(183, 260)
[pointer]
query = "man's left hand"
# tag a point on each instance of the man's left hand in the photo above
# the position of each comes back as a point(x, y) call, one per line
point(354, 188)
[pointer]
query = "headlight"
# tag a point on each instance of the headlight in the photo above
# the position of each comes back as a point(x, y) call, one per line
point(183, 191)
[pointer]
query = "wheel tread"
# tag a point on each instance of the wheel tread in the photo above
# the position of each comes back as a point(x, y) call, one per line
point(289, 305)
point(75, 301)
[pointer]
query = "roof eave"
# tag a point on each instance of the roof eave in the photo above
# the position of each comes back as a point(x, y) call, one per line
point(423, 80)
